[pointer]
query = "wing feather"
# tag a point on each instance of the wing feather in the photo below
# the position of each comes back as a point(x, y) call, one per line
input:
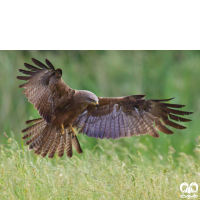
point(45, 88)
point(102, 127)
point(117, 128)
point(108, 127)
point(39, 64)
point(159, 126)
point(85, 129)
point(97, 128)
point(112, 129)
point(92, 130)
point(49, 64)
point(140, 125)
point(179, 119)
point(126, 125)
point(127, 116)
point(31, 67)
point(122, 126)
point(178, 112)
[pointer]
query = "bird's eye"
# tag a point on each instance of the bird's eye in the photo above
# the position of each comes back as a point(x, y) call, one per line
point(89, 99)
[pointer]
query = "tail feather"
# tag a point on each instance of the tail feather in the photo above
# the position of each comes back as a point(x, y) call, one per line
point(33, 127)
point(43, 140)
point(49, 143)
point(54, 146)
point(76, 144)
point(68, 145)
point(47, 139)
point(38, 150)
point(61, 147)
point(64, 137)
point(37, 142)
point(33, 132)
point(35, 136)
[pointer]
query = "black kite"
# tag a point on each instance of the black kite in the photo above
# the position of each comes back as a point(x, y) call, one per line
point(62, 109)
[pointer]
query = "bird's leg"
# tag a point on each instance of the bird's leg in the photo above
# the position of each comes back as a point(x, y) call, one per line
point(73, 132)
point(62, 130)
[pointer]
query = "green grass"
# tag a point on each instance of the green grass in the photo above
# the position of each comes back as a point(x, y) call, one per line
point(93, 176)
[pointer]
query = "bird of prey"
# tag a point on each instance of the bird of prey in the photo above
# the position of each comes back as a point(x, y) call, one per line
point(62, 109)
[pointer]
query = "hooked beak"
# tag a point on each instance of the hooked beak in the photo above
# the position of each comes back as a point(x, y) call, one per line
point(96, 104)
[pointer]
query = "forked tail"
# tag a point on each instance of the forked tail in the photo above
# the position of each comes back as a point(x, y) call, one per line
point(47, 139)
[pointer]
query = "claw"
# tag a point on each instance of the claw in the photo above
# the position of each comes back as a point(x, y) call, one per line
point(73, 131)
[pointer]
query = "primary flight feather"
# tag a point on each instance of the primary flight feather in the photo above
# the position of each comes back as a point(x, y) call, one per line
point(62, 109)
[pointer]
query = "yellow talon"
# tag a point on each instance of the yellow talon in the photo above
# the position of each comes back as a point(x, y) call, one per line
point(62, 129)
point(73, 132)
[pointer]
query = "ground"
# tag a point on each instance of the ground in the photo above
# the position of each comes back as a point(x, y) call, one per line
point(97, 174)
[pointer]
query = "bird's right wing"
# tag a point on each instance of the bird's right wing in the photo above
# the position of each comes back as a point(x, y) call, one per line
point(45, 88)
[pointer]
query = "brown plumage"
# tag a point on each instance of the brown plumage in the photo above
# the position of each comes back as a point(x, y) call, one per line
point(63, 109)
point(68, 145)
point(76, 144)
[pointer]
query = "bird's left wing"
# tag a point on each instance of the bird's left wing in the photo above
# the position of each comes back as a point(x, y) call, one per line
point(128, 116)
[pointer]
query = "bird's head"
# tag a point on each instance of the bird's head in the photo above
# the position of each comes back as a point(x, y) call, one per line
point(91, 98)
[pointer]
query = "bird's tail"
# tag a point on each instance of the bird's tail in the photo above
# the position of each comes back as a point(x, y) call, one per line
point(47, 139)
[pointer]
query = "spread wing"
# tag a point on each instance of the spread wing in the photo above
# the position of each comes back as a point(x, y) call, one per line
point(45, 88)
point(128, 116)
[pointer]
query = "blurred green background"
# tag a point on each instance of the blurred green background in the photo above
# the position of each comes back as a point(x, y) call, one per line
point(158, 74)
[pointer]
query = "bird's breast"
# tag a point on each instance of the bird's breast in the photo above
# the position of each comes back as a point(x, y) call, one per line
point(68, 114)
